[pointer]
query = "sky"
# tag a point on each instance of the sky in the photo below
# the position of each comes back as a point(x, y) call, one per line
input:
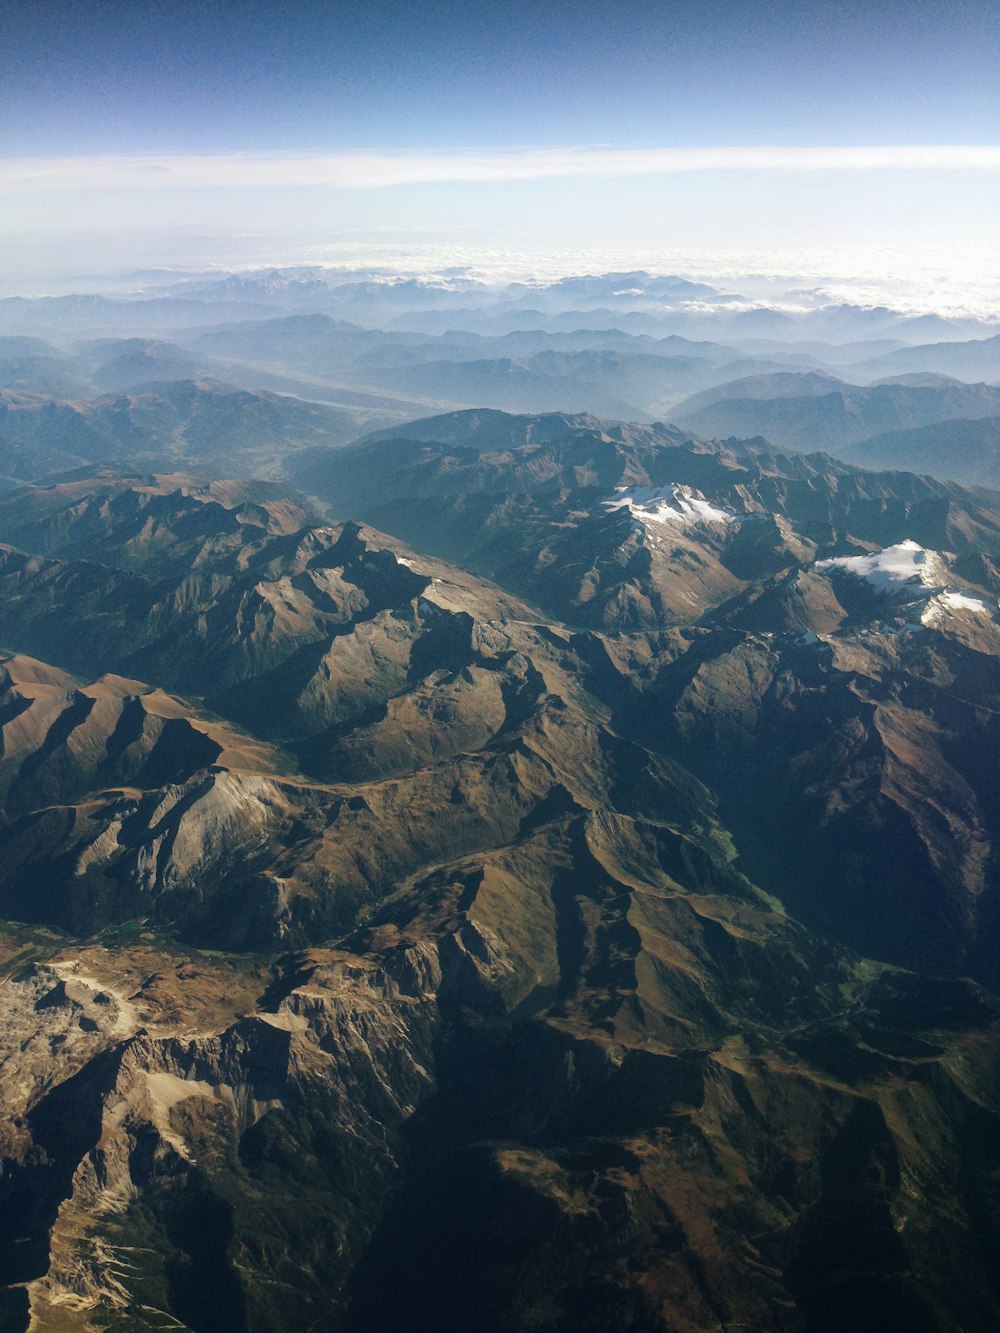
point(235, 133)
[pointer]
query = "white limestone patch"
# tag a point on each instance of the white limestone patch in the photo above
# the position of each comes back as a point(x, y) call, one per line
point(167, 1090)
point(675, 504)
point(101, 849)
point(893, 569)
point(121, 1011)
point(285, 1021)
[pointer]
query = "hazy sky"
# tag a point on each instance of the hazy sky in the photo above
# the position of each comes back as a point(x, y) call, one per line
point(181, 132)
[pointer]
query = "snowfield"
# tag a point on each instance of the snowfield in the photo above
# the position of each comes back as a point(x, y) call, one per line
point(939, 608)
point(674, 503)
point(891, 570)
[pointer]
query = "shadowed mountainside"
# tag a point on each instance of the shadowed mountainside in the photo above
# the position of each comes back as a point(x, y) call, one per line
point(966, 451)
point(625, 963)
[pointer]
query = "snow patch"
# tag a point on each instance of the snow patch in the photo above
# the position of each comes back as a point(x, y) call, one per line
point(945, 604)
point(675, 504)
point(894, 568)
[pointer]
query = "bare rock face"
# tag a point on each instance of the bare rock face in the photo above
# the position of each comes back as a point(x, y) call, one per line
point(602, 1141)
point(155, 1133)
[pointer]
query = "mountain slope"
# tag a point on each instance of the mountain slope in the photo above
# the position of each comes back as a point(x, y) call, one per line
point(605, 966)
point(972, 360)
point(831, 420)
point(181, 422)
point(172, 522)
point(586, 521)
point(965, 451)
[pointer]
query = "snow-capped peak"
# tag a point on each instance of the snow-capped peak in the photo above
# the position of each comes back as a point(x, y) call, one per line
point(675, 504)
point(891, 569)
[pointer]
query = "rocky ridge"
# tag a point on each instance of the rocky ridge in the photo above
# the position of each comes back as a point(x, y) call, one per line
point(431, 950)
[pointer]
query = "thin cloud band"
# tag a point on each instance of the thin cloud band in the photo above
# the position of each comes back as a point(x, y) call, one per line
point(363, 171)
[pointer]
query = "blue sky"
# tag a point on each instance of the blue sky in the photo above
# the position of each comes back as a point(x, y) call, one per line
point(86, 76)
point(150, 120)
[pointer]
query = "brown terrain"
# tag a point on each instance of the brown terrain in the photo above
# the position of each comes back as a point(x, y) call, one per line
point(575, 911)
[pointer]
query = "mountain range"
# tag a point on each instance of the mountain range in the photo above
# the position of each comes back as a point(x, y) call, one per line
point(968, 450)
point(812, 411)
point(175, 422)
point(110, 398)
point(539, 872)
point(498, 807)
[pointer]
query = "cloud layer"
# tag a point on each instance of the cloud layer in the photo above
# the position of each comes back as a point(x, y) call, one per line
point(364, 171)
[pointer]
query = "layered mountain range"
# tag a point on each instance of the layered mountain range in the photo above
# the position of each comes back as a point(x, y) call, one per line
point(236, 398)
point(815, 411)
point(537, 873)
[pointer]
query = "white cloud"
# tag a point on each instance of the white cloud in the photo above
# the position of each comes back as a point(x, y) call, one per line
point(362, 171)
